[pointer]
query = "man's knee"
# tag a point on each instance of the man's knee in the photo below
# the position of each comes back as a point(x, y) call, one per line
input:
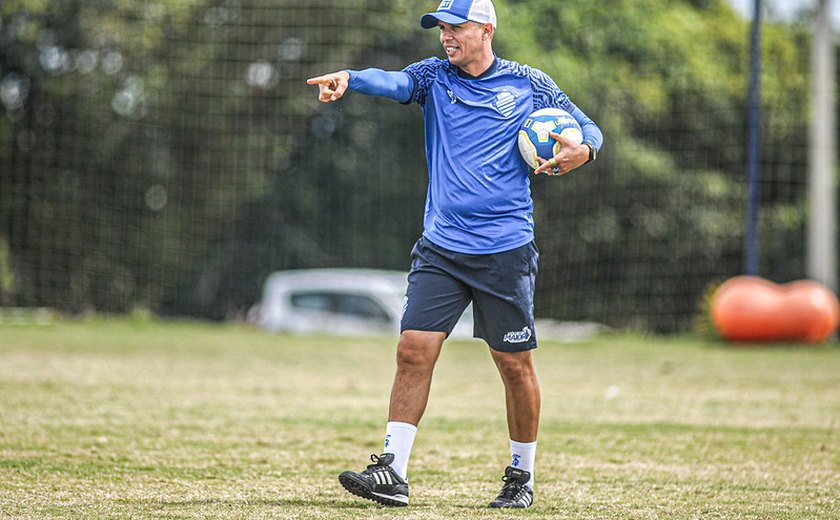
point(515, 366)
point(419, 349)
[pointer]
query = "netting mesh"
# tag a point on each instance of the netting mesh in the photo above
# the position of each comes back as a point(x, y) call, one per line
point(168, 155)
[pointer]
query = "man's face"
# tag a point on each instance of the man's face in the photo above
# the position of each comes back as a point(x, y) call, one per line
point(463, 43)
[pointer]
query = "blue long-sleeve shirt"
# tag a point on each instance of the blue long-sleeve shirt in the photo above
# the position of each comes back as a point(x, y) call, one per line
point(479, 197)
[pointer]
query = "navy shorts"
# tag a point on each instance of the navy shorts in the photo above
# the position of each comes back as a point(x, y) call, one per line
point(442, 283)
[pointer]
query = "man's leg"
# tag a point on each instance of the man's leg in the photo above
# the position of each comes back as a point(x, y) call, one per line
point(417, 353)
point(434, 301)
point(522, 398)
point(522, 393)
point(386, 480)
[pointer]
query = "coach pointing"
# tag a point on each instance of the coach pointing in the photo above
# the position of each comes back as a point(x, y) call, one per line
point(478, 238)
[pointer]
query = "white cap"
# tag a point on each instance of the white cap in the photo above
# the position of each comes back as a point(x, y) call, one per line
point(456, 12)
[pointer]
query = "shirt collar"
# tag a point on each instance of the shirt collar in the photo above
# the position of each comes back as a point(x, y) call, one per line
point(490, 70)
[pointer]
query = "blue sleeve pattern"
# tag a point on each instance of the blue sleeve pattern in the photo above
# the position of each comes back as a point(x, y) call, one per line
point(546, 92)
point(424, 73)
point(548, 95)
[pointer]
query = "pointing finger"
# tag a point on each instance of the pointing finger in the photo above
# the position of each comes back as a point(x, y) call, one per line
point(317, 80)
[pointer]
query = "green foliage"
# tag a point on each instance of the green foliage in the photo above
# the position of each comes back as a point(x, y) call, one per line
point(168, 155)
point(666, 81)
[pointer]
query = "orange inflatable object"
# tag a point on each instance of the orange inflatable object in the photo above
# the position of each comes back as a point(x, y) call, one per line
point(749, 308)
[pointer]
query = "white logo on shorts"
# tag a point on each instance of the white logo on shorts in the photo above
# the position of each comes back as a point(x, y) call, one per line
point(518, 336)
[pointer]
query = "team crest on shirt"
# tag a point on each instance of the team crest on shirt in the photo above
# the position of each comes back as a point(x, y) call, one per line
point(505, 102)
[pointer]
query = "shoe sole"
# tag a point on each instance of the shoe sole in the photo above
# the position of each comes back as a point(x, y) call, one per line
point(352, 485)
point(493, 505)
point(510, 504)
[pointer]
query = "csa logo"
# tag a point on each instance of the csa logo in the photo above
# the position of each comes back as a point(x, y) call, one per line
point(515, 462)
point(505, 102)
point(387, 440)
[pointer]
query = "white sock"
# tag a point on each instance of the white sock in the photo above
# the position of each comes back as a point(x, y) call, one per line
point(522, 455)
point(399, 438)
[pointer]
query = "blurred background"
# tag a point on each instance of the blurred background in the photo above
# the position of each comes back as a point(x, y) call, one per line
point(167, 155)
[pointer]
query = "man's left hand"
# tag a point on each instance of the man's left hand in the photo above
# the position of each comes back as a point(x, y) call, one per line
point(571, 155)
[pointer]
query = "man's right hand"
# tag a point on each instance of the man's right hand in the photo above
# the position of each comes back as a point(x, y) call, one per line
point(331, 86)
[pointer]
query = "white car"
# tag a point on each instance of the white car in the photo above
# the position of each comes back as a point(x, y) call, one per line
point(338, 301)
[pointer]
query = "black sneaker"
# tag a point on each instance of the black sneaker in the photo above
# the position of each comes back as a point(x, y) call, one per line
point(514, 494)
point(379, 482)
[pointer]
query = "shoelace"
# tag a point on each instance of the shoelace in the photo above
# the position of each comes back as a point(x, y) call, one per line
point(376, 466)
point(511, 489)
point(375, 459)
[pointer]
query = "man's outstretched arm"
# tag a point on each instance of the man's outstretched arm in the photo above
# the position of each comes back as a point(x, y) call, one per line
point(374, 82)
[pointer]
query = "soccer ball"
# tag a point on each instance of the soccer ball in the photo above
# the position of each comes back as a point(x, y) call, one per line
point(533, 139)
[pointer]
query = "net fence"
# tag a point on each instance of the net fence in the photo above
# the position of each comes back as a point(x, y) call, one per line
point(168, 155)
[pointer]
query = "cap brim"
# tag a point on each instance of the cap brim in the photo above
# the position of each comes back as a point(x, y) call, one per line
point(429, 20)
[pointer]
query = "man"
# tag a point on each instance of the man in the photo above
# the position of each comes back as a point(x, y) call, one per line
point(478, 239)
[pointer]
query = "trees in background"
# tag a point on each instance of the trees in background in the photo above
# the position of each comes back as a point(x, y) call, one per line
point(169, 155)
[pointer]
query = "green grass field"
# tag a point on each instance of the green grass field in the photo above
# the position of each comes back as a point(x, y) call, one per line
point(146, 419)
